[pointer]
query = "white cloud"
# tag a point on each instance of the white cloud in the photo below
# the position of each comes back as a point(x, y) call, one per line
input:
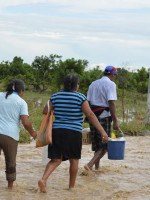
point(84, 5)
point(80, 29)
point(126, 66)
point(47, 35)
point(52, 35)
point(101, 66)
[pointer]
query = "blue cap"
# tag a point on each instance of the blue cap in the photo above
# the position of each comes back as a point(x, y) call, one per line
point(110, 70)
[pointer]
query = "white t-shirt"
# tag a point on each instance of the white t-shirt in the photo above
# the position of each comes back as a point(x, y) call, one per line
point(10, 111)
point(100, 92)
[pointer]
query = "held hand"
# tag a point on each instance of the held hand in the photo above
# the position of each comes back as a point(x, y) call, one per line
point(116, 126)
point(34, 135)
point(104, 138)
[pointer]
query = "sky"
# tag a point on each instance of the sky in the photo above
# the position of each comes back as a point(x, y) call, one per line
point(103, 32)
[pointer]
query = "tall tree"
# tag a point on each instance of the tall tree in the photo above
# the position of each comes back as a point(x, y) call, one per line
point(88, 77)
point(43, 66)
point(16, 66)
point(4, 70)
point(140, 80)
point(122, 82)
point(65, 67)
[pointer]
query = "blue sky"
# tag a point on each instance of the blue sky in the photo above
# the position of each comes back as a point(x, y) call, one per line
point(103, 32)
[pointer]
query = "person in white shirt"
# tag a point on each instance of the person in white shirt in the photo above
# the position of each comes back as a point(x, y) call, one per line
point(12, 109)
point(102, 96)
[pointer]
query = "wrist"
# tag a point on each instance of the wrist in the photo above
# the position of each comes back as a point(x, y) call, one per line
point(115, 120)
point(34, 134)
point(104, 135)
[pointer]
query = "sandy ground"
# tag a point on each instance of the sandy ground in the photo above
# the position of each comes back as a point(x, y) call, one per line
point(116, 179)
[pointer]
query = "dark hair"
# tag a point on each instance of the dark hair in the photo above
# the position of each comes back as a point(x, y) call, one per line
point(70, 82)
point(15, 85)
point(106, 74)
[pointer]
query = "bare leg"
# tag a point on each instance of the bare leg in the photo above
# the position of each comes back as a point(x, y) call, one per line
point(97, 164)
point(51, 166)
point(73, 172)
point(10, 184)
point(97, 156)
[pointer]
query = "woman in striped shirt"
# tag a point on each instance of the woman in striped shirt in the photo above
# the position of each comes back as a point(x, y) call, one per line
point(69, 106)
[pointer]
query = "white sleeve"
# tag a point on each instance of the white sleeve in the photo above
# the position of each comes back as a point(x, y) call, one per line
point(111, 92)
point(24, 109)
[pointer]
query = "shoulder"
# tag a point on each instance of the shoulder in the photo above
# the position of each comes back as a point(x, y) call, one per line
point(111, 86)
point(95, 82)
point(112, 83)
point(23, 101)
point(60, 93)
point(80, 95)
point(18, 99)
point(108, 81)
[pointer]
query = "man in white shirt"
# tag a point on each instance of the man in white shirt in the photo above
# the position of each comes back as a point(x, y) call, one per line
point(102, 96)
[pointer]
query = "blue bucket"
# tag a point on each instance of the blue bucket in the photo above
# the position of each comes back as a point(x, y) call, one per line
point(116, 150)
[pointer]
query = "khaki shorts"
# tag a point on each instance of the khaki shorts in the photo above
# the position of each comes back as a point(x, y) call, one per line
point(9, 147)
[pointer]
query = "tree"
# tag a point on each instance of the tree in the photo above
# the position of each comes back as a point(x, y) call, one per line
point(88, 77)
point(4, 70)
point(43, 66)
point(141, 80)
point(122, 82)
point(16, 66)
point(65, 67)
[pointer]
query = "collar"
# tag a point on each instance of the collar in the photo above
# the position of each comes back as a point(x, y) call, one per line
point(106, 77)
point(15, 93)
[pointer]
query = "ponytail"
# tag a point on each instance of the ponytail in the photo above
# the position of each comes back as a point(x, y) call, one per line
point(16, 85)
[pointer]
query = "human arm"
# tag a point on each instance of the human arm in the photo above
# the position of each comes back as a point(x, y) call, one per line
point(86, 119)
point(112, 108)
point(28, 126)
point(94, 121)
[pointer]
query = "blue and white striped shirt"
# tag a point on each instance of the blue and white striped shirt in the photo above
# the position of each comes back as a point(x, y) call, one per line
point(68, 110)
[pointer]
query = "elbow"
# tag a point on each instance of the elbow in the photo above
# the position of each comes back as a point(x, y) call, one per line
point(25, 122)
point(90, 116)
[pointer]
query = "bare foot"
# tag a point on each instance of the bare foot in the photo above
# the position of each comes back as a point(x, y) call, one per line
point(42, 186)
point(71, 189)
point(88, 168)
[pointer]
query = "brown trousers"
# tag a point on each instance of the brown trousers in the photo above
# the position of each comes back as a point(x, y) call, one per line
point(9, 147)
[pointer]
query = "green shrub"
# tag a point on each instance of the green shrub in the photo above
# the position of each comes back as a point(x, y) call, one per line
point(133, 128)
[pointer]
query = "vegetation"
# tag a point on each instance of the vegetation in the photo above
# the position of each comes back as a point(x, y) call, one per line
point(46, 74)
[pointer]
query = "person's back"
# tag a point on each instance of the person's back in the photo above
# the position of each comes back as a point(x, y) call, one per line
point(101, 92)
point(68, 106)
point(13, 109)
point(102, 96)
point(10, 110)
point(68, 110)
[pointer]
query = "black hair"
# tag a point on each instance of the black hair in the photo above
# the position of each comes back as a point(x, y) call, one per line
point(70, 82)
point(107, 74)
point(15, 85)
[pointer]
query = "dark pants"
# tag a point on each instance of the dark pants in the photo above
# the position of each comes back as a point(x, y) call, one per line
point(96, 136)
point(9, 147)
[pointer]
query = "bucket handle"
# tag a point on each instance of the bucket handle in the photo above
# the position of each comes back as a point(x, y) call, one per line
point(122, 134)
